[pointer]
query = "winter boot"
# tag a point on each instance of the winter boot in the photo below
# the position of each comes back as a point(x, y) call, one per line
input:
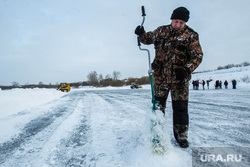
point(180, 134)
point(183, 143)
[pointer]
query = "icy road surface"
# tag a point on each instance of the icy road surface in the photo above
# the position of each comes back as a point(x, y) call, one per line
point(110, 128)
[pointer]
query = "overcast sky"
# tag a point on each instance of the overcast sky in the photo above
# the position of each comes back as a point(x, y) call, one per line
point(54, 41)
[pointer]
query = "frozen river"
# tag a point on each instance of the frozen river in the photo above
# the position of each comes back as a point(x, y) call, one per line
point(110, 128)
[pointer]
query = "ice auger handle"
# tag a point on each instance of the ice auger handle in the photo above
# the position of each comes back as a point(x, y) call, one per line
point(143, 11)
point(138, 40)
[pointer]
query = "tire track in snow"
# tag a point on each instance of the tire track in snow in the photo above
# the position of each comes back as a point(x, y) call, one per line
point(30, 145)
point(114, 134)
point(74, 150)
point(119, 125)
point(103, 138)
point(30, 129)
point(221, 116)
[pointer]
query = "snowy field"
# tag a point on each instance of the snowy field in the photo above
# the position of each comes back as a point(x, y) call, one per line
point(110, 127)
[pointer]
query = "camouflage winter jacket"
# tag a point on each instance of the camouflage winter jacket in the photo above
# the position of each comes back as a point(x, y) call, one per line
point(173, 49)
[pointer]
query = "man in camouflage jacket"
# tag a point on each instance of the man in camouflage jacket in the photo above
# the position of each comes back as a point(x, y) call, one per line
point(177, 54)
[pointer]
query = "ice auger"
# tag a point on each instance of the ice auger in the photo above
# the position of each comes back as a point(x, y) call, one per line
point(150, 71)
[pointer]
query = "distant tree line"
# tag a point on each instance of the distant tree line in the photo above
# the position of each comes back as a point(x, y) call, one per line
point(233, 65)
point(113, 80)
point(93, 79)
point(225, 67)
point(97, 80)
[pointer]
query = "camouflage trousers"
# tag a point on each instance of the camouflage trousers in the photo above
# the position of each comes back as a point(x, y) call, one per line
point(179, 96)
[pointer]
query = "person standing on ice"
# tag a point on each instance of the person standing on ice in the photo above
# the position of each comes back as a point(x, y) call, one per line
point(177, 54)
point(234, 83)
point(203, 84)
point(226, 84)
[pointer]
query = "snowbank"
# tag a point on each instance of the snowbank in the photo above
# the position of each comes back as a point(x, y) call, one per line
point(16, 100)
point(239, 74)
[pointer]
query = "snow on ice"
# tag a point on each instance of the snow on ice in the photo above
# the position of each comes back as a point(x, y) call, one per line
point(110, 127)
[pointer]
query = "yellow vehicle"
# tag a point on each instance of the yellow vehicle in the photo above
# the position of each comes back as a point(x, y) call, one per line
point(64, 87)
point(135, 86)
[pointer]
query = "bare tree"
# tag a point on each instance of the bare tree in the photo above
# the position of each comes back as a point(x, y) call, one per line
point(15, 84)
point(108, 76)
point(245, 64)
point(100, 78)
point(92, 78)
point(40, 83)
point(116, 75)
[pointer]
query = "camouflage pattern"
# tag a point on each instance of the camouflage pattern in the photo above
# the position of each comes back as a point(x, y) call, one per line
point(173, 50)
point(178, 91)
point(180, 132)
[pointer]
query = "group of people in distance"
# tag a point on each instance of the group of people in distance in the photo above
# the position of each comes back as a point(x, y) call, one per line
point(217, 85)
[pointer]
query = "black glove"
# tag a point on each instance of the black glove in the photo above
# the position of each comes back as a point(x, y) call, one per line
point(181, 73)
point(139, 30)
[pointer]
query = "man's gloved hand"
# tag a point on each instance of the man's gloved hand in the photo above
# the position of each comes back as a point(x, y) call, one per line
point(181, 73)
point(139, 30)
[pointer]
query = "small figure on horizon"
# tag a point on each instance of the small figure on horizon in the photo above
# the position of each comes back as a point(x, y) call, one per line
point(217, 84)
point(197, 84)
point(234, 82)
point(194, 85)
point(226, 84)
point(203, 84)
point(208, 83)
